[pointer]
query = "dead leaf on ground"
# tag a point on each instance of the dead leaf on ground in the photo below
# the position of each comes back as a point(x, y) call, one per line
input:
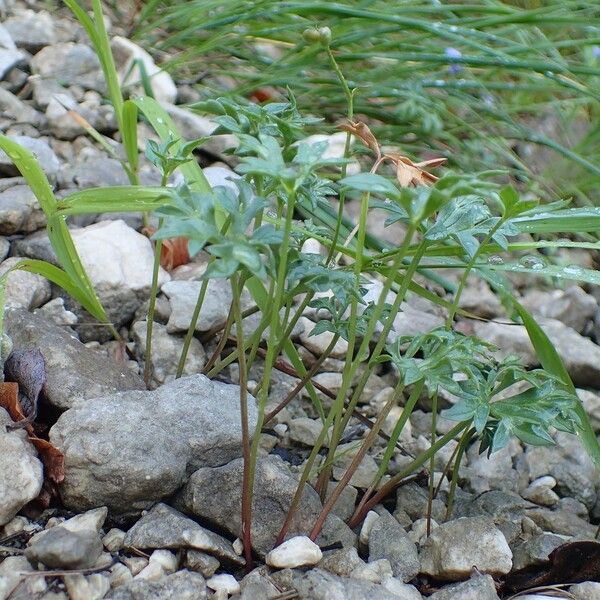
point(572, 562)
point(51, 457)
point(173, 252)
point(27, 368)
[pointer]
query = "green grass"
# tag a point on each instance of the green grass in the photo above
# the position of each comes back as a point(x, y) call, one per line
point(516, 65)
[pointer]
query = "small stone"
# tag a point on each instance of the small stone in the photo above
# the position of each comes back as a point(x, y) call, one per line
point(40, 149)
point(31, 30)
point(165, 527)
point(166, 559)
point(304, 430)
point(375, 571)
point(364, 475)
point(540, 491)
point(479, 587)
point(588, 590)
point(258, 585)
point(113, 540)
point(367, 525)
point(153, 571)
point(119, 575)
point(135, 564)
point(127, 55)
point(23, 289)
point(224, 583)
point(20, 211)
point(21, 473)
point(298, 551)
point(89, 587)
point(535, 551)
point(201, 562)
point(342, 562)
point(56, 312)
point(418, 533)
point(166, 350)
point(403, 591)
point(183, 585)
point(455, 547)
point(389, 540)
point(72, 64)
point(60, 548)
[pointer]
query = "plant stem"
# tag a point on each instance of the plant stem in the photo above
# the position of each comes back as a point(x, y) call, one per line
point(246, 507)
point(150, 314)
point(396, 479)
point(434, 408)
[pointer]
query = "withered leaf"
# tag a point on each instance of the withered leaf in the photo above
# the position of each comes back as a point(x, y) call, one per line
point(174, 253)
point(572, 562)
point(409, 173)
point(51, 457)
point(362, 131)
point(27, 368)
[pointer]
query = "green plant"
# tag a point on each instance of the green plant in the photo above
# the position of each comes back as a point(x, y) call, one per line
point(465, 81)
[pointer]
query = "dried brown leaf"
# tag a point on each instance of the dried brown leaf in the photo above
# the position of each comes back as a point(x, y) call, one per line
point(409, 173)
point(362, 131)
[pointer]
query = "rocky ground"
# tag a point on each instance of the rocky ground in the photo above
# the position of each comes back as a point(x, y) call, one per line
point(149, 506)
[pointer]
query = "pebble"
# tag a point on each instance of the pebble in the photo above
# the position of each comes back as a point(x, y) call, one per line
point(298, 551)
point(60, 548)
point(224, 583)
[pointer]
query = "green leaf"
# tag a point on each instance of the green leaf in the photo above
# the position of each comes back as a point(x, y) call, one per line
point(370, 182)
point(115, 199)
point(552, 363)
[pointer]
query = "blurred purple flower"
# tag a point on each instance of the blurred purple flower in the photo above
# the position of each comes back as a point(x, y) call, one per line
point(596, 51)
point(454, 68)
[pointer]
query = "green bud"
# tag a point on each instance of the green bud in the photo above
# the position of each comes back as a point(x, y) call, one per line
point(322, 35)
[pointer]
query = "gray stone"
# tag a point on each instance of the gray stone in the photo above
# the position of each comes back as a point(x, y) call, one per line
point(21, 473)
point(70, 64)
point(12, 580)
point(119, 262)
point(24, 289)
point(317, 584)
point(257, 585)
point(569, 463)
point(562, 522)
point(130, 449)
point(72, 370)
point(341, 562)
point(479, 587)
point(580, 355)
point(125, 52)
point(591, 403)
point(31, 30)
point(214, 495)
point(14, 110)
point(572, 306)
point(20, 211)
point(389, 540)
point(56, 312)
point(60, 548)
point(10, 57)
point(90, 587)
point(588, 590)
point(183, 296)
point(535, 550)
point(201, 562)
point(165, 527)
point(166, 350)
point(94, 171)
point(481, 301)
point(36, 245)
point(42, 152)
point(455, 547)
point(413, 500)
point(183, 585)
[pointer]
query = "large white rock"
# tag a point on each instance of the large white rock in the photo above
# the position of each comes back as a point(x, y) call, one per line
point(299, 551)
point(119, 263)
point(21, 473)
point(125, 52)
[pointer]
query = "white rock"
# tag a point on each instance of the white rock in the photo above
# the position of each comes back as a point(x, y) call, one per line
point(119, 575)
point(56, 312)
point(298, 551)
point(224, 583)
point(166, 559)
point(136, 564)
point(588, 590)
point(238, 546)
point(113, 540)
point(21, 473)
point(367, 525)
point(404, 591)
point(153, 571)
point(541, 491)
point(24, 289)
point(10, 574)
point(119, 263)
point(90, 587)
point(374, 571)
point(418, 533)
point(125, 52)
